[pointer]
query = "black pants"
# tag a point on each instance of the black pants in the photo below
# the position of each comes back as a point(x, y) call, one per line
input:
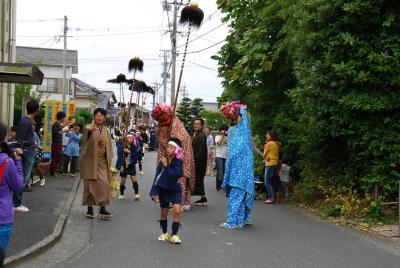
point(2, 254)
point(140, 160)
point(74, 163)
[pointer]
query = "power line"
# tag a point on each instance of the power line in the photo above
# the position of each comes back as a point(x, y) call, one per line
point(201, 50)
point(203, 66)
point(92, 35)
point(200, 36)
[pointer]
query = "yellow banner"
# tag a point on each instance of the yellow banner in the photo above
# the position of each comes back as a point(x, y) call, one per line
point(51, 109)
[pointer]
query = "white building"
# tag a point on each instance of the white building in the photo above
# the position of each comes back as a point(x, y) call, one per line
point(210, 106)
point(51, 64)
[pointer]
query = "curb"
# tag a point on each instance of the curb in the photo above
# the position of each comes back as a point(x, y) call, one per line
point(50, 240)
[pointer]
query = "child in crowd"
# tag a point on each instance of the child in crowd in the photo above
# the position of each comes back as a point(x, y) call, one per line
point(13, 134)
point(131, 152)
point(11, 181)
point(166, 189)
point(284, 175)
point(38, 157)
point(71, 151)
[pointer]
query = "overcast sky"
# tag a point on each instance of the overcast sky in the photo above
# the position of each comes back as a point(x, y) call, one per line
point(108, 33)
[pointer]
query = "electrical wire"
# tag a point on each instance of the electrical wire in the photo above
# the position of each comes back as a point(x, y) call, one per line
point(204, 49)
point(208, 32)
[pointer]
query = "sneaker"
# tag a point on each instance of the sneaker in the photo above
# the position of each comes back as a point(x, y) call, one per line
point(137, 197)
point(201, 202)
point(175, 239)
point(228, 226)
point(64, 174)
point(269, 201)
point(90, 215)
point(163, 237)
point(186, 208)
point(21, 208)
point(43, 182)
point(72, 175)
point(121, 197)
point(105, 215)
point(141, 173)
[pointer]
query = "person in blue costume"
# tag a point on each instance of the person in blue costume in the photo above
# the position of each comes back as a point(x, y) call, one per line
point(120, 143)
point(239, 170)
point(167, 190)
point(131, 156)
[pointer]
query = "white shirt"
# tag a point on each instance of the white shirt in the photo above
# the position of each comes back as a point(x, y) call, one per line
point(284, 173)
point(222, 149)
point(65, 139)
point(210, 142)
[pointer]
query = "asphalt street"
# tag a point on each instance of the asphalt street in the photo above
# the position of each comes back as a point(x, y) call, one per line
point(281, 236)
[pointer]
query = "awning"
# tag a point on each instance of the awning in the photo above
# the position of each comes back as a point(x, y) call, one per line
point(20, 73)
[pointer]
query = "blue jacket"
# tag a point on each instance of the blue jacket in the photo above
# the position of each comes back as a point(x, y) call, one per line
point(134, 155)
point(72, 149)
point(167, 178)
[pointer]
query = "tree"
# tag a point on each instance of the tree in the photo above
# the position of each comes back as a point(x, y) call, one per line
point(325, 74)
point(196, 107)
point(184, 112)
point(188, 110)
point(347, 59)
point(84, 117)
point(25, 91)
point(214, 119)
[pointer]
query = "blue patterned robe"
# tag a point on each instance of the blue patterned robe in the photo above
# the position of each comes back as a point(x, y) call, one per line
point(239, 173)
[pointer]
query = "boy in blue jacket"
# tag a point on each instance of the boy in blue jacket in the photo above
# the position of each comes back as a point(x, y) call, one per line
point(167, 190)
point(131, 152)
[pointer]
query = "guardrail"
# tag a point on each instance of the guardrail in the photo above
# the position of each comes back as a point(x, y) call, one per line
point(394, 203)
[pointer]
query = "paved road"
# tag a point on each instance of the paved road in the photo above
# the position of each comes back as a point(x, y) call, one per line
point(280, 237)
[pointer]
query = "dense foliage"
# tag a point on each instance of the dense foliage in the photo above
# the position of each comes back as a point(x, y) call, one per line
point(188, 110)
point(214, 119)
point(326, 75)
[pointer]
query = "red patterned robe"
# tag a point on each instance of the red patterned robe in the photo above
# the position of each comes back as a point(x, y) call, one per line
point(178, 131)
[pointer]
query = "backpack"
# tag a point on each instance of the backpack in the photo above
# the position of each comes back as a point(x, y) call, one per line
point(3, 168)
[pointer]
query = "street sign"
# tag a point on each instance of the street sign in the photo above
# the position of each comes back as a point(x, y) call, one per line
point(51, 109)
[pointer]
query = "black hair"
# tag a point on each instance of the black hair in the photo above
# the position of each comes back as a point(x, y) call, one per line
point(100, 110)
point(60, 115)
point(274, 136)
point(78, 124)
point(199, 119)
point(3, 132)
point(223, 127)
point(13, 129)
point(177, 141)
point(32, 107)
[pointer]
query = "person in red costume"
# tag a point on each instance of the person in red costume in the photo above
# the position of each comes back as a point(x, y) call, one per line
point(170, 126)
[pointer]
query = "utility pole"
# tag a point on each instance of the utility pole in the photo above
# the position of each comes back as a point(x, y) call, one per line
point(165, 75)
point(155, 96)
point(173, 41)
point(184, 92)
point(64, 81)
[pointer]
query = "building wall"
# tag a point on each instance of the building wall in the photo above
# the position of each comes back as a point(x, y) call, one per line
point(85, 103)
point(6, 90)
point(53, 89)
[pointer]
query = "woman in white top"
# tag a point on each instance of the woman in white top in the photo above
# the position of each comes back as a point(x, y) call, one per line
point(221, 141)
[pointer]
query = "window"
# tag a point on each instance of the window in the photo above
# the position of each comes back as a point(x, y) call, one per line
point(48, 85)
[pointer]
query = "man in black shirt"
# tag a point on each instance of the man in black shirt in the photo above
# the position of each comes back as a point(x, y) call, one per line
point(26, 139)
point(57, 130)
point(199, 144)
